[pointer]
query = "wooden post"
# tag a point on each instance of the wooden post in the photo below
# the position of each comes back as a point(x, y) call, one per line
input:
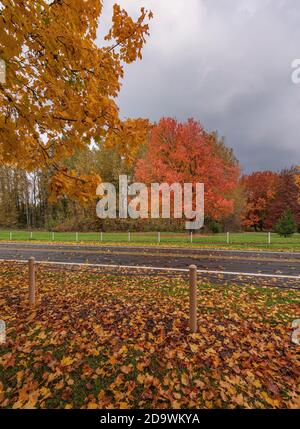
point(129, 237)
point(30, 235)
point(269, 238)
point(10, 235)
point(101, 236)
point(191, 237)
point(2, 332)
point(76, 236)
point(193, 298)
point(158, 237)
point(52, 236)
point(32, 297)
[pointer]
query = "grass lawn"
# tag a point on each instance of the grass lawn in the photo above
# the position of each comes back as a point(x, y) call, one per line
point(98, 340)
point(257, 240)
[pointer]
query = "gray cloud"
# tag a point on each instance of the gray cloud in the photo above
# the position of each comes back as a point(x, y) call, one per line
point(227, 63)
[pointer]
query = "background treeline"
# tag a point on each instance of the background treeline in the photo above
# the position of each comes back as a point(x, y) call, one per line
point(175, 152)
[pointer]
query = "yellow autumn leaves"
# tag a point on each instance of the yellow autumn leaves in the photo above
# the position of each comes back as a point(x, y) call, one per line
point(61, 88)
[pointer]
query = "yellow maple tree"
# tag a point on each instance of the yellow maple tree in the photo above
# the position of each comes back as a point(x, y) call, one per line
point(60, 90)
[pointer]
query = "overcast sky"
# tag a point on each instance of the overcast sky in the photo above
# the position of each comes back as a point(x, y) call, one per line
point(227, 63)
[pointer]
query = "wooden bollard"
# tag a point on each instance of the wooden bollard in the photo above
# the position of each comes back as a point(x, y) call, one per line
point(2, 332)
point(193, 298)
point(32, 297)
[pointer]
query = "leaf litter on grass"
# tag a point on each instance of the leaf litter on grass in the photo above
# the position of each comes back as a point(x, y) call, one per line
point(100, 340)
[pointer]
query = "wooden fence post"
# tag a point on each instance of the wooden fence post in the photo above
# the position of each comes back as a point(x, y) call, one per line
point(32, 294)
point(193, 297)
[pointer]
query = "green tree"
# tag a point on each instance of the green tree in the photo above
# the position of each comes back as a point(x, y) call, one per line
point(287, 224)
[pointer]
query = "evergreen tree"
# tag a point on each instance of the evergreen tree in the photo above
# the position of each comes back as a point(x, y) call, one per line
point(287, 224)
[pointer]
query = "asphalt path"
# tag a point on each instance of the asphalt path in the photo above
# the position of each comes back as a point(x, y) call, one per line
point(214, 264)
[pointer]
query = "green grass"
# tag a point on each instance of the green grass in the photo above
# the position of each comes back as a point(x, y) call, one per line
point(237, 240)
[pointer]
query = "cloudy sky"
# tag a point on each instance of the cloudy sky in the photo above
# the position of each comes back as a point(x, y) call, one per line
point(226, 63)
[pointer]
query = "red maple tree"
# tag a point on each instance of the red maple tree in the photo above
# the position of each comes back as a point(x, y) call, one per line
point(286, 198)
point(260, 190)
point(185, 153)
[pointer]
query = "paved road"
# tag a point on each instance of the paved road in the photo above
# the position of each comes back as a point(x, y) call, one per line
point(286, 266)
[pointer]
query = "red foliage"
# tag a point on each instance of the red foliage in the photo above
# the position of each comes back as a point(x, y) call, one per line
point(287, 197)
point(260, 189)
point(185, 153)
point(268, 196)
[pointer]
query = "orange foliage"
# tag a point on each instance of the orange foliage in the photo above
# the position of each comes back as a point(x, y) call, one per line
point(61, 88)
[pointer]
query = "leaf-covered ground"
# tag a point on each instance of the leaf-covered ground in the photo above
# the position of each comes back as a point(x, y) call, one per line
point(99, 340)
